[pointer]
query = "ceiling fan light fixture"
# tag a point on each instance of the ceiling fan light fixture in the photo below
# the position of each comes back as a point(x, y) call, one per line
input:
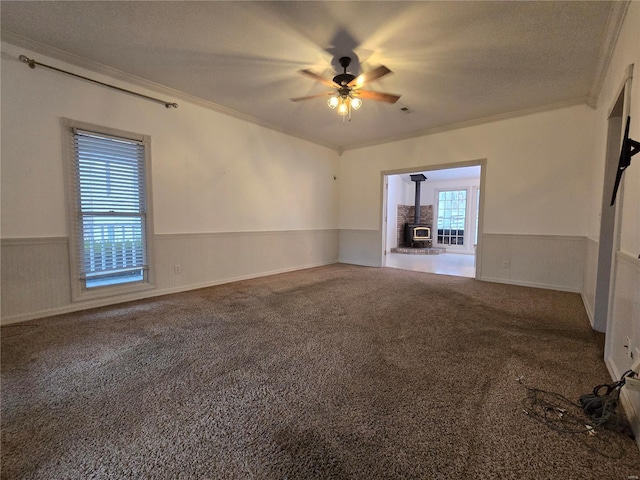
point(346, 93)
point(343, 108)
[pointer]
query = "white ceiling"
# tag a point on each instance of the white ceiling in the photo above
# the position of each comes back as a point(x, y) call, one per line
point(453, 62)
point(447, 175)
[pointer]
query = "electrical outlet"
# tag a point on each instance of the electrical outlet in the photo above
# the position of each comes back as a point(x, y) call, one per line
point(632, 383)
point(177, 269)
point(629, 348)
point(505, 264)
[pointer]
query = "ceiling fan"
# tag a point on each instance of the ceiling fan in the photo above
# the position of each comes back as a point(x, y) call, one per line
point(347, 91)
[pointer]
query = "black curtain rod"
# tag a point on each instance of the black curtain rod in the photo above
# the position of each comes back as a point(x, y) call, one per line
point(32, 64)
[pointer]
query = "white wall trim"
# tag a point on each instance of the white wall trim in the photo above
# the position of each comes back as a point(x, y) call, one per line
point(63, 240)
point(472, 123)
point(170, 236)
point(559, 288)
point(629, 259)
point(587, 307)
point(9, 242)
point(539, 236)
point(81, 62)
point(612, 32)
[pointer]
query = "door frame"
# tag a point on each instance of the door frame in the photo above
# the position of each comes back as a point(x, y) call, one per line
point(609, 231)
point(482, 163)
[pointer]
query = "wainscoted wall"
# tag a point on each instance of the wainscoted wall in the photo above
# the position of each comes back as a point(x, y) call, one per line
point(35, 271)
point(361, 247)
point(208, 259)
point(590, 276)
point(546, 261)
point(34, 276)
point(626, 323)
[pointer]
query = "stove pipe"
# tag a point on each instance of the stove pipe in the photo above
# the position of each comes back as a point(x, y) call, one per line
point(418, 177)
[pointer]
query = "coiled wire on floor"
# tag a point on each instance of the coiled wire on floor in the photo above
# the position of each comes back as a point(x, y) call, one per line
point(595, 415)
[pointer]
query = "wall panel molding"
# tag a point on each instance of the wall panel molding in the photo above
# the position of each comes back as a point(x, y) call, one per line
point(12, 242)
point(589, 277)
point(361, 247)
point(629, 259)
point(625, 323)
point(34, 274)
point(35, 271)
point(555, 262)
point(626, 312)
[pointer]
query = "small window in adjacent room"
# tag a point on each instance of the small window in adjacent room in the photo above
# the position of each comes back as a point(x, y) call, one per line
point(452, 210)
point(109, 221)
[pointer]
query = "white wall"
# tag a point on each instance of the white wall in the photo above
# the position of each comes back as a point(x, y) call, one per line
point(536, 185)
point(535, 164)
point(214, 177)
point(624, 316)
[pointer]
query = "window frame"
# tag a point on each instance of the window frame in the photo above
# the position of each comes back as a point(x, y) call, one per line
point(465, 236)
point(79, 290)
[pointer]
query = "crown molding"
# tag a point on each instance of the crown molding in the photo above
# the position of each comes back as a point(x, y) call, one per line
point(472, 123)
point(113, 73)
point(612, 31)
point(616, 18)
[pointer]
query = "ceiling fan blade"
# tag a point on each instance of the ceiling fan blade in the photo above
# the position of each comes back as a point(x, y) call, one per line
point(309, 97)
point(318, 78)
point(377, 96)
point(367, 77)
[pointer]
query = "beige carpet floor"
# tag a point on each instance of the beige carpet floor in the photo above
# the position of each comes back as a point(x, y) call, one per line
point(338, 372)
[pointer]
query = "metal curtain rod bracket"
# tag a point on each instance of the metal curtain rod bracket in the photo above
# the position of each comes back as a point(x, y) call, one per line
point(32, 64)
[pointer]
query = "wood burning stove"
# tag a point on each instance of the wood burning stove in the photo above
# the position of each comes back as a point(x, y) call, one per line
point(416, 232)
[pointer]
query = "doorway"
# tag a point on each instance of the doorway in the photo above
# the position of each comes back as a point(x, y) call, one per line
point(609, 241)
point(450, 202)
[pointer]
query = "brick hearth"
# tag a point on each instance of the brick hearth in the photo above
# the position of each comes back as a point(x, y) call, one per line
point(406, 214)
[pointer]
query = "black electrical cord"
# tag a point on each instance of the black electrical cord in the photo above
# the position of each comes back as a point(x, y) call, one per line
point(601, 407)
point(594, 412)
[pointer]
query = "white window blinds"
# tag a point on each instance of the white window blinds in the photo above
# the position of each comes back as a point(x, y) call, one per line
point(109, 188)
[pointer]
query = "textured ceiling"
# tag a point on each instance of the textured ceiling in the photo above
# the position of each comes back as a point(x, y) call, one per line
point(453, 62)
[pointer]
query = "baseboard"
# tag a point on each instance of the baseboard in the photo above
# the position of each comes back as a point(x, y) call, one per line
point(588, 309)
point(560, 288)
point(76, 307)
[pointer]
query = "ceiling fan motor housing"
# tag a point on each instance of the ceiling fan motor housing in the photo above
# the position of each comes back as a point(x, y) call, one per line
point(344, 78)
point(347, 86)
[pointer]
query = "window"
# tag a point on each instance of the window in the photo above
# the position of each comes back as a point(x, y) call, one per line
point(108, 211)
point(452, 207)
